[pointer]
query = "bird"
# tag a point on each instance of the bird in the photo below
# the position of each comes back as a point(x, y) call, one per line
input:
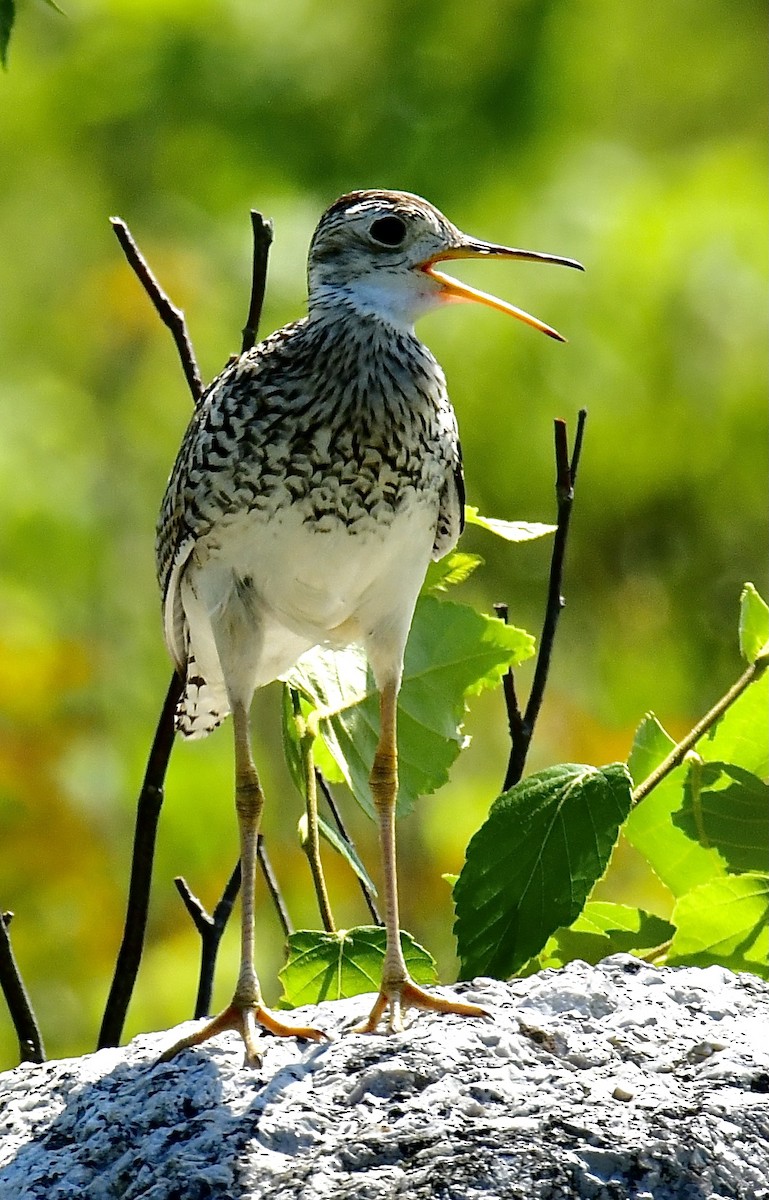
point(317, 479)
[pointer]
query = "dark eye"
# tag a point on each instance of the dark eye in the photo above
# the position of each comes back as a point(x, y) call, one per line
point(389, 231)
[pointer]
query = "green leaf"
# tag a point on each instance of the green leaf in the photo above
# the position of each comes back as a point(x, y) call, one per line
point(332, 966)
point(451, 569)
point(7, 17)
point(727, 808)
point(754, 623)
point(511, 531)
point(601, 929)
point(531, 866)
point(345, 849)
point(452, 652)
point(292, 750)
point(680, 861)
point(726, 922)
point(740, 735)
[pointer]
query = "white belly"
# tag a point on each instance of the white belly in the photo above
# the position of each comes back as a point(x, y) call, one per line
point(306, 587)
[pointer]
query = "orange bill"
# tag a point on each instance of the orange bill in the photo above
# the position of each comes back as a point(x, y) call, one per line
point(453, 289)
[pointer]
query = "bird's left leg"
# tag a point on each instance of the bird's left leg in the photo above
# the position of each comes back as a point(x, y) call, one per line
point(398, 991)
point(246, 1010)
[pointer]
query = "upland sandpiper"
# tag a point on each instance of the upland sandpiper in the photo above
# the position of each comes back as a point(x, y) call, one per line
point(317, 479)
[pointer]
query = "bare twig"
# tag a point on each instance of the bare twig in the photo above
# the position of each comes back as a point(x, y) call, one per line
point(171, 316)
point(522, 725)
point(262, 231)
point(210, 927)
point(514, 714)
point(145, 833)
point(151, 797)
point(333, 808)
point(273, 887)
point(31, 1047)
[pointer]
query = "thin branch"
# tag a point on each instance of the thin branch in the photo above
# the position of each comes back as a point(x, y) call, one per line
point(210, 927)
point(522, 726)
point(262, 232)
point(31, 1047)
point(273, 887)
point(151, 796)
point(145, 834)
point(679, 752)
point(514, 714)
point(171, 316)
point(311, 843)
point(334, 809)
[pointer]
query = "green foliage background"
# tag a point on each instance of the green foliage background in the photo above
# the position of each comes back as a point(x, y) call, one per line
point(628, 135)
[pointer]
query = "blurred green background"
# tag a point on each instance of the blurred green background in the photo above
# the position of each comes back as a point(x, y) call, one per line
point(628, 135)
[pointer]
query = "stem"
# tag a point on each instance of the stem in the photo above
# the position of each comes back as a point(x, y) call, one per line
point(210, 928)
point(514, 715)
point(151, 796)
point(679, 752)
point(522, 726)
point(171, 316)
point(311, 844)
point(31, 1047)
point(334, 809)
point(273, 887)
point(262, 231)
point(145, 835)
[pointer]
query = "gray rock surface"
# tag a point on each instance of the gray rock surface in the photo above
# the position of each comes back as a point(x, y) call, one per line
point(620, 1080)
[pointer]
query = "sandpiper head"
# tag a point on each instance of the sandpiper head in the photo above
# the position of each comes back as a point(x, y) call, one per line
point(376, 252)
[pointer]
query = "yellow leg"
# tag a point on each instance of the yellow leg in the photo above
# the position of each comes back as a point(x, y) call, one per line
point(398, 991)
point(246, 1010)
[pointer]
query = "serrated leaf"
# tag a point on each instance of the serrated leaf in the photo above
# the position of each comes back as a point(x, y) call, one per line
point(531, 866)
point(754, 623)
point(450, 570)
point(333, 966)
point(726, 922)
point(727, 808)
point(601, 929)
point(453, 652)
point(511, 531)
point(680, 861)
point(7, 18)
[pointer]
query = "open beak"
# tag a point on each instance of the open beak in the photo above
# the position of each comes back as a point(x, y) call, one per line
point(452, 289)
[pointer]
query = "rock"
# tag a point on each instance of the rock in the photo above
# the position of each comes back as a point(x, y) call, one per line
point(618, 1080)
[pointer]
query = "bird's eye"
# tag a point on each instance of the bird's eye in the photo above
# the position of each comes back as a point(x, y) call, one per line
point(388, 231)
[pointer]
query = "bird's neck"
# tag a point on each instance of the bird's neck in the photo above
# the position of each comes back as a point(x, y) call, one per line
point(368, 304)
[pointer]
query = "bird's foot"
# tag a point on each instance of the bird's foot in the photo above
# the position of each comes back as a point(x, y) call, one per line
point(244, 1018)
point(399, 995)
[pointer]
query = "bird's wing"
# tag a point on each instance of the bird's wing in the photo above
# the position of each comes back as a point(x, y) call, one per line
point(451, 514)
point(240, 404)
point(174, 620)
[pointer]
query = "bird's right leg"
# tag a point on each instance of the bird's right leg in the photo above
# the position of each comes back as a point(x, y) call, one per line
point(246, 1009)
point(398, 991)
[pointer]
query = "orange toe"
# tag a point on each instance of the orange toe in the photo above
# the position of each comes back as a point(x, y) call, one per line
point(244, 1019)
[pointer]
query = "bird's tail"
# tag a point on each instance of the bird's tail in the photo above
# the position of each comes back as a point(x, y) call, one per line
point(203, 704)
